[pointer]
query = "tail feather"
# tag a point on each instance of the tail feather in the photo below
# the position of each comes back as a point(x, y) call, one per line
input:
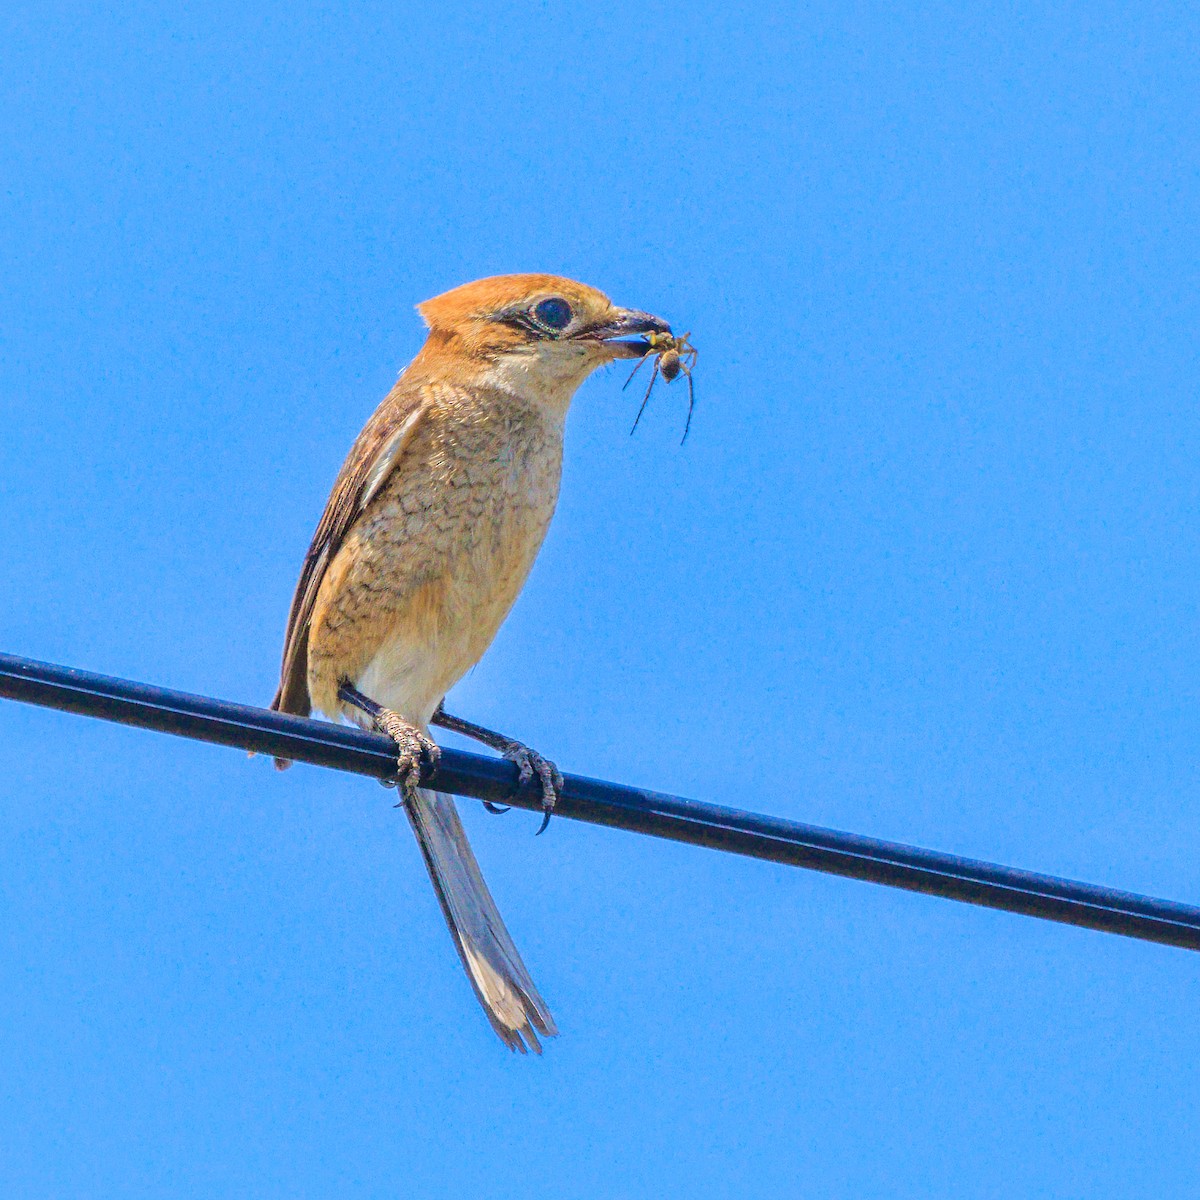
point(502, 983)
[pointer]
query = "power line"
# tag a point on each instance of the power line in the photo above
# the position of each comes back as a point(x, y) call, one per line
point(752, 834)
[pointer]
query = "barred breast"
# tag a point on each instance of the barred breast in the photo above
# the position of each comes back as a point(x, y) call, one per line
point(430, 569)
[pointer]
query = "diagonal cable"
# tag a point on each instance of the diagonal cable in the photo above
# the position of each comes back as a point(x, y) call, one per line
point(755, 835)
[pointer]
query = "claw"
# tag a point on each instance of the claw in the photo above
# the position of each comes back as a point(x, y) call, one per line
point(551, 786)
point(413, 751)
point(529, 762)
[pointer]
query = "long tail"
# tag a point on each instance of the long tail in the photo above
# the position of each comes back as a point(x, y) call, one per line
point(506, 991)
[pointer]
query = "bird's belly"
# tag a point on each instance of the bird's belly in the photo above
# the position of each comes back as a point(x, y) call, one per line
point(447, 627)
point(427, 576)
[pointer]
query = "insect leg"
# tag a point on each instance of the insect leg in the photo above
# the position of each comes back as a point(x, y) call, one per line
point(636, 369)
point(646, 397)
point(691, 405)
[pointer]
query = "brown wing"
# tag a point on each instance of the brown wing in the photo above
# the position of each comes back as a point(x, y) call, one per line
point(374, 455)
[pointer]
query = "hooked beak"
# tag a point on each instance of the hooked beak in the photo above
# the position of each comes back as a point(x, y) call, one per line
point(628, 323)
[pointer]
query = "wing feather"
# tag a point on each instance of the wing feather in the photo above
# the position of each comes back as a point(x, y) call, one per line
point(376, 453)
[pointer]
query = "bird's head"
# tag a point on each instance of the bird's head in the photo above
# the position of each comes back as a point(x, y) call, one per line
point(538, 335)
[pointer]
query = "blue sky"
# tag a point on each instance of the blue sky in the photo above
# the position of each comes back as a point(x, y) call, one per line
point(925, 569)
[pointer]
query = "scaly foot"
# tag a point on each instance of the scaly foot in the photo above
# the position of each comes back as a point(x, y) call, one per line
point(413, 748)
point(529, 762)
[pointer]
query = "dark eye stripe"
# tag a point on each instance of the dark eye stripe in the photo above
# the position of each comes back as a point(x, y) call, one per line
point(554, 314)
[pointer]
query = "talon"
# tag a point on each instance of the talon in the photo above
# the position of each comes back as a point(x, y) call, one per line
point(413, 751)
point(530, 762)
point(551, 786)
point(497, 810)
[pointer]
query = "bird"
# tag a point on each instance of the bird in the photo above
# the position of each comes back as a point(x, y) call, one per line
point(427, 538)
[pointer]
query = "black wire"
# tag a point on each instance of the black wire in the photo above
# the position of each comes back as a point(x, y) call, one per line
point(494, 780)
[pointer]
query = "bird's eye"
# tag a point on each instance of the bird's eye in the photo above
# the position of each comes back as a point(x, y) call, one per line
point(553, 314)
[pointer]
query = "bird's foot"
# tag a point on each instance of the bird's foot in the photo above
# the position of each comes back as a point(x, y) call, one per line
point(413, 750)
point(530, 763)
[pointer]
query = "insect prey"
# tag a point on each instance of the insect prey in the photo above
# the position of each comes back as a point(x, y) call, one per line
point(673, 356)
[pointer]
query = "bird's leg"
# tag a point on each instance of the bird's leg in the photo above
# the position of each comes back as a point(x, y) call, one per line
point(413, 748)
point(529, 762)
